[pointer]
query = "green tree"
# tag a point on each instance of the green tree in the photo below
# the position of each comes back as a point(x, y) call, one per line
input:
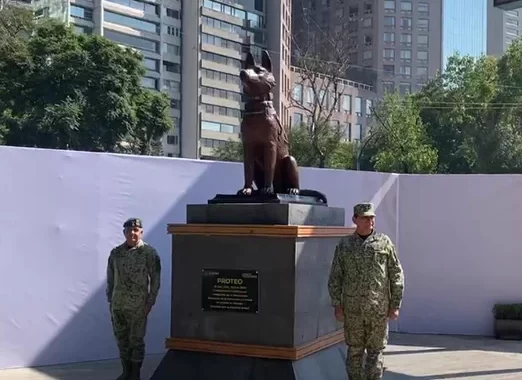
point(153, 121)
point(456, 109)
point(399, 139)
point(67, 91)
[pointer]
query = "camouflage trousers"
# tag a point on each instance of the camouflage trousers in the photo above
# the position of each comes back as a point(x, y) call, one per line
point(365, 333)
point(130, 327)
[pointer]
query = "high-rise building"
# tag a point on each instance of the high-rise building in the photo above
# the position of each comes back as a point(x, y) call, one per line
point(396, 44)
point(503, 27)
point(193, 50)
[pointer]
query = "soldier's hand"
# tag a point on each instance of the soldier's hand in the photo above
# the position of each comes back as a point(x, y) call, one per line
point(339, 314)
point(148, 308)
point(393, 314)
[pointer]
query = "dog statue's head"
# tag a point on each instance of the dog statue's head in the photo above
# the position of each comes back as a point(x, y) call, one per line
point(257, 79)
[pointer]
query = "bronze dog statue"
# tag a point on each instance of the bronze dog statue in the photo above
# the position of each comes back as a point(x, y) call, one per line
point(266, 158)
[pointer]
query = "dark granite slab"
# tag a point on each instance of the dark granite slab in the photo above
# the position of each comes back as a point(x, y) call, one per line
point(266, 213)
point(328, 364)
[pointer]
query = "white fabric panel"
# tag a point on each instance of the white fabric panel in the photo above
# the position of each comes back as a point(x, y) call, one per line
point(62, 212)
point(460, 249)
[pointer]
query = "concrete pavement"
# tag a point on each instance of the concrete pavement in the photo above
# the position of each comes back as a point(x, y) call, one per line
point(408, 357)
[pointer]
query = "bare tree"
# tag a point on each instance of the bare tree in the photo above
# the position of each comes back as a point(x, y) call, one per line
point(322, 57)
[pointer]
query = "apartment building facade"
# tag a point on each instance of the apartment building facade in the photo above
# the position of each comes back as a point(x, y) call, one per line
point(352, 110)
point(396, 44)
point(503, 26)
point(193, 51)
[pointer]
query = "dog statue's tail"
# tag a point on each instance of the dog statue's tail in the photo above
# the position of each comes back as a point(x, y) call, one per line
point(314, 193)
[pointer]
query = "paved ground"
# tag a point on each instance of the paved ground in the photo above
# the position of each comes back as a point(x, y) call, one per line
point(409, 357)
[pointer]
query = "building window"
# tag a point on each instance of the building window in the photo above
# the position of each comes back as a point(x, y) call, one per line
point(358, 106)
point(149, 83)
point(423, 24)
point(223, 25)
point(388, 87)
point(137, 42)
point(389, 21)
point(174, 104)
point(406, 39)
point(422, 41)
point(389, 69)
point(221, 42)
point(389, 37)
point(406, 23)
point(422, 57)
point(172, 140)
point(212, 143)
point(220, 93)
point(222, 8)
point(298, 93)
point(422, 72)
point(173, 31)
point(80, 12)
point(347, 103)
point(355, 133)
point(405, 71)
point(406, 6)
point(405, 88)
point(170, 49)
point(172, 13)
point(369, 106)
point(171, 67)
point(388, 54)
point(220, 76)
point(219, 127)
point(138, 5)
point(131, 22)
point(171, 85)
point(221, 59)
point(298, 119)
point(389, 5)
point(151, 64)
point(310, 95)
point(82, 29)
point(406, 55)
point(220, 110)
point(423, 9)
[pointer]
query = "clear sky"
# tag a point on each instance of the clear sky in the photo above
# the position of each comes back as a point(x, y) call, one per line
point(465, 27)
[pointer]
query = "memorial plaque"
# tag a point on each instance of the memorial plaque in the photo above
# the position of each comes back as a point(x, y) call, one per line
point(232, 290)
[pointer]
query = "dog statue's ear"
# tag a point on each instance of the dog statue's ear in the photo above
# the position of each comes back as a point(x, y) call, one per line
point(249, 61)
point(266, 62)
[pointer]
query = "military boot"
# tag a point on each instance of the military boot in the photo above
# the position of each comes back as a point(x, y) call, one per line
point(126, 365)
point(135, 371)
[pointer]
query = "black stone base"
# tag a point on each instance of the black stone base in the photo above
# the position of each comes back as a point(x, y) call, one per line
point(266, 213)
point(275, 198)
point(328, 364)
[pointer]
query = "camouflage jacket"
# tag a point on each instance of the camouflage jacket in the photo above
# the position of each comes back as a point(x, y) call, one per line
point(366, 276)
point(128, 273)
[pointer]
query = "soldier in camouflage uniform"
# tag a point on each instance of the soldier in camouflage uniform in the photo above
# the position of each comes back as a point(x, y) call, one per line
point(366, 285)
point(133, 282)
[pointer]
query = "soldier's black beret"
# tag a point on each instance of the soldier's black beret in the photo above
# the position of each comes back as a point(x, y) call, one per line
point(133, 222)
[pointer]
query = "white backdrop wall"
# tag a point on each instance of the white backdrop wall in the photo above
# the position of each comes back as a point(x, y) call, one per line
point(460, 249)
point(61, 213)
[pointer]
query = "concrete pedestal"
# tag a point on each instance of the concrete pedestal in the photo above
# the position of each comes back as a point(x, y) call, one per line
point(250, 301)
